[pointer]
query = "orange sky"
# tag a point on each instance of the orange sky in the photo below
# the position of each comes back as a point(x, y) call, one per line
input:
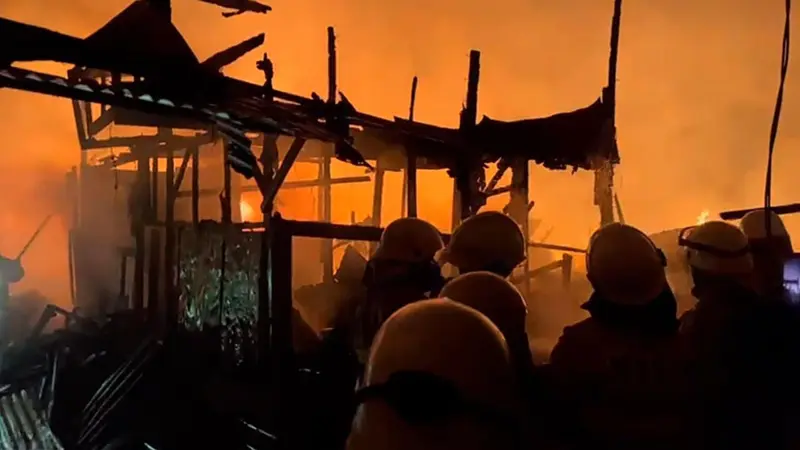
point(697, 82)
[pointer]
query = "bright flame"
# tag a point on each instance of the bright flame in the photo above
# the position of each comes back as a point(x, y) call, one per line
point(703, 217)
point(247, 212)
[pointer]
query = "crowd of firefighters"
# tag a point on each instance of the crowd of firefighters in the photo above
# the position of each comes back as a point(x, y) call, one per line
point(446, 363)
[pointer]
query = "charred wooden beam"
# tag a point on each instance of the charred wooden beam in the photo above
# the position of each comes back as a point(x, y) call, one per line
point(154, 190)
point(150, 146)
point(176, 185)
point(618, 204)
point(502, 167)
point(549, 267)
point(170, 250)
point(226, 198)
point(325, 193)
point(105, 119)
point(195, 185)
point(139, 210)
point(563, 248)
point(231, 54)
point(518, 206)
point(282, 173)
point(123, 278)
point(604, 173)
point(80, 124)
point(463, 172)
point(566, 270)
point(792, 208)
point(498, 191)
point(286, 185)
point(319, 230)
point(154, 276)
point(269, 159)
point(377, 199)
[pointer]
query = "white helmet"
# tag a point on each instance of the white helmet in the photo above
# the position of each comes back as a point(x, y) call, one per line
point(493, 296)
point(754, 226)
point(486, 240)
point(718, 248)
point(624, 266)
point(409, 240)
point(449, 342)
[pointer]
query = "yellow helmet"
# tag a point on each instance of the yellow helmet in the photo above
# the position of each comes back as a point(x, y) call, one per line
point(717, 247)
point(624, 265)
point(448, 342)
point(409, 240)
point(493, 296)
point(487, 239)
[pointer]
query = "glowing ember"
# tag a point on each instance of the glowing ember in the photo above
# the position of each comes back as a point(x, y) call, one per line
point(703, 217)
point(247, 212)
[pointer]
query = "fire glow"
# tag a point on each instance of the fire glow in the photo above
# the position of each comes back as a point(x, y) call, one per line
point(703, 217)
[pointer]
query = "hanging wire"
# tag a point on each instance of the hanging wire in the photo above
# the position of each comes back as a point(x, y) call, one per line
point(777, 115)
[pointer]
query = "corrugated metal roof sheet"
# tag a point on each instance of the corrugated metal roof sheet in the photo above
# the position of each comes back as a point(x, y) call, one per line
point(22, 426)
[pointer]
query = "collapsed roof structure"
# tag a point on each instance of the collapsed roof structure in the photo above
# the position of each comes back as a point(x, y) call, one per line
point(142, 72)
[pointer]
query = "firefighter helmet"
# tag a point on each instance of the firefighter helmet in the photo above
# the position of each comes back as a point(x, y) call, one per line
point(624, 265)
point(754, 225)
point(441, 342)
point(717, 247)
point(409, 240)
point(486, 240)
point(493, 296)
point(777, 241)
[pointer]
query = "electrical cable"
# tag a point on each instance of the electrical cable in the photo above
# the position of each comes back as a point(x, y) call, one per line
point(777, 114)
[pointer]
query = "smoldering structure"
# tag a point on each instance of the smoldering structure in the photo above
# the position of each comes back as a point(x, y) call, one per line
point(161, 262)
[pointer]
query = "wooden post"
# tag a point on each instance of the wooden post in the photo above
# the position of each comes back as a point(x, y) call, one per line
point(461, 194)
point(196, 185)
point(226, 200)
point(154, 275)
point(325, 199)
point(520, 176)
point(171, 303)
point(280, 345)
point(377, 200)
point(410, 181)
point(139, 211)
point(604, 174)
point(72, 191)
point(269, 163)
point(566, 270)
point(154, 186)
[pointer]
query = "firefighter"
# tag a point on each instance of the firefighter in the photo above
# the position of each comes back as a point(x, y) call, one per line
point(722, 267)
point(489, 241)
point(402, 270)
point(438, 378)
point(504, 305)
point(616, 374)
point(770, 250)
point(11, 272)
point(742, 349)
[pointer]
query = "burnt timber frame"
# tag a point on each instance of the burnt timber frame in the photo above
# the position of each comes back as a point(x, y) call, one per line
point(164, 144)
